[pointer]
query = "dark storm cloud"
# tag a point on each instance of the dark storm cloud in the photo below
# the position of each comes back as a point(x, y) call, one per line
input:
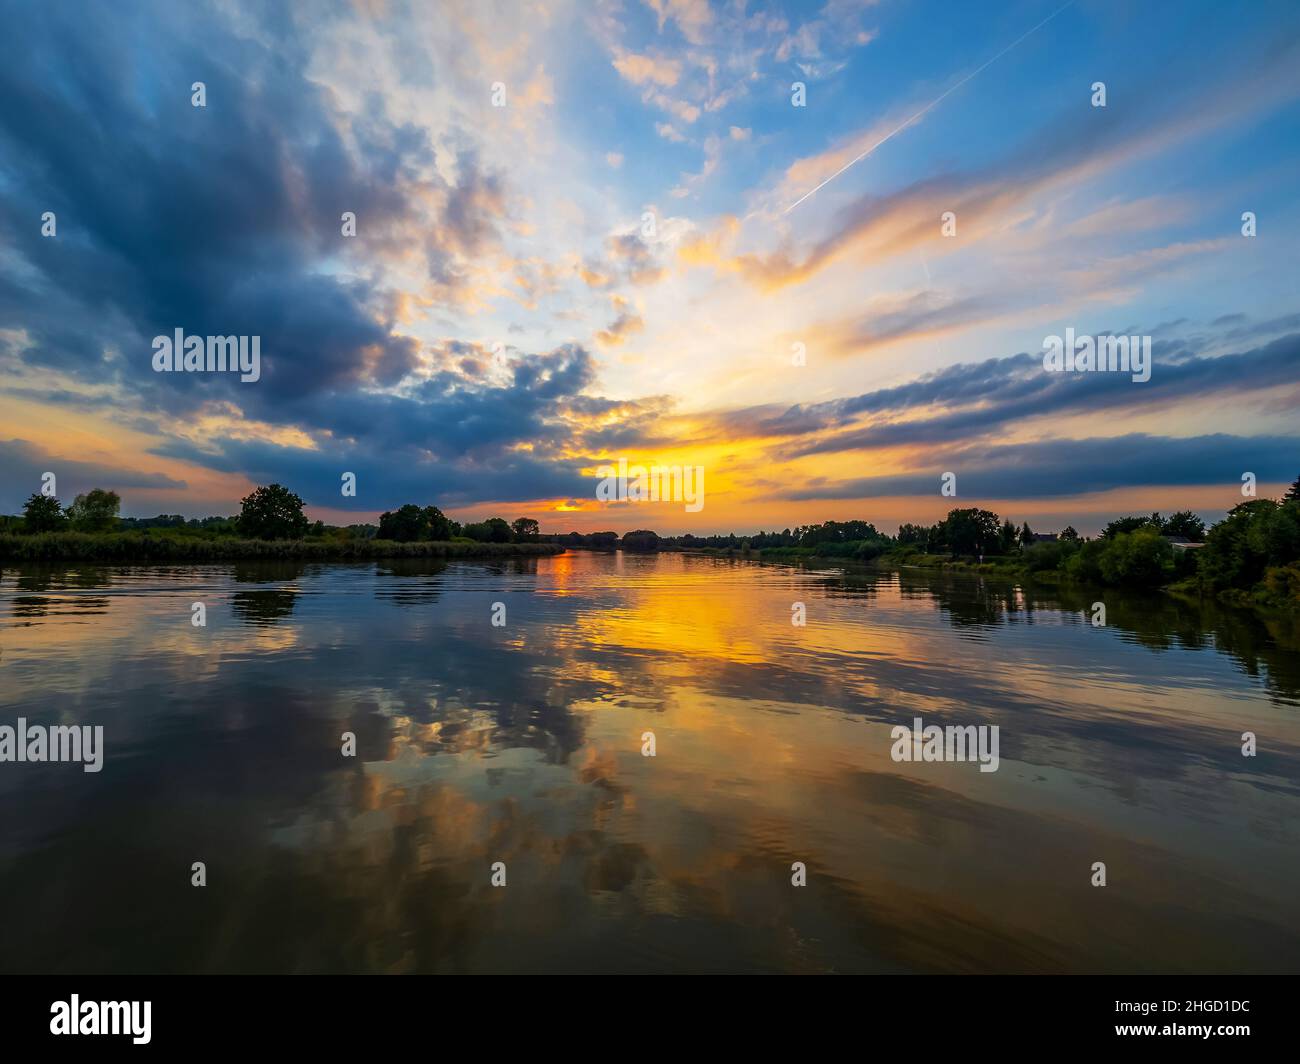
point(1009, 390)
point(975, 398)
point(215, 219)
point(447, 416)
point(383, 484)
point(209, 219)
point(225, 220)
point(1067, 467)
point(446, 441)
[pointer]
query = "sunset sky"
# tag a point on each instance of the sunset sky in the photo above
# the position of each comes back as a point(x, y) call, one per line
point(612, 264)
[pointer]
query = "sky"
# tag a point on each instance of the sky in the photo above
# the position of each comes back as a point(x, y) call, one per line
point(813, 249)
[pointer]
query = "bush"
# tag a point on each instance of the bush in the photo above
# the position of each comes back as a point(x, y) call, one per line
point(1254, 537)
point(1186, 564)
point(1282, 586)
point(869, 549)
point(1041, 557)
point(1085, 564)
point(1141, 558)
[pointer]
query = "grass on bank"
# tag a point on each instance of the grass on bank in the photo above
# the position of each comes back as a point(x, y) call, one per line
point(140, 546)
point(1277, 590)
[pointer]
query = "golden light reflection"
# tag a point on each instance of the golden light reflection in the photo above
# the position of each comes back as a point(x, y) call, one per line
point(772, 746)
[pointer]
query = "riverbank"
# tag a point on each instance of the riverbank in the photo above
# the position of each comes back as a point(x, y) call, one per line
point(890, 560)
point(141, 546)
point(1279, 593)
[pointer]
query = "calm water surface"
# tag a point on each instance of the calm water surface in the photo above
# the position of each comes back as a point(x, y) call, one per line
point(522, 744)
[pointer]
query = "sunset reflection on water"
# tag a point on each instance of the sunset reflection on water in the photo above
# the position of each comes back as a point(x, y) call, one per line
point(523, 744)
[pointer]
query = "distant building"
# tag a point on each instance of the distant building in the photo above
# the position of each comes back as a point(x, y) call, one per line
point(1181, 543)
point(1044, 537)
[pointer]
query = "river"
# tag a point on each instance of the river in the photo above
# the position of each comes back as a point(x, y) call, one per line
point(521, 745)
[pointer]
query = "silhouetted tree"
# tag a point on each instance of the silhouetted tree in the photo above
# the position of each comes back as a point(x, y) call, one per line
point(95, 511)
point(525, 528)
point(1185, 524)
point(1007, 537)
point(910, 535)
point(272, 512)
point(1255, 536)
point(971, 531)
point(406, 524)
point(441, 527)
point(493, 530)
point(42, 513)
point(1126, 524)
point(641, 540)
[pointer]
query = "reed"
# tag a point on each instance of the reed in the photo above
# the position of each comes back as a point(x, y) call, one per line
point(137, 546)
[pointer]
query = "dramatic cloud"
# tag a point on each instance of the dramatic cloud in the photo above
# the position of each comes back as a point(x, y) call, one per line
point(484, 254)
point(25, 463)
point(1059, 468)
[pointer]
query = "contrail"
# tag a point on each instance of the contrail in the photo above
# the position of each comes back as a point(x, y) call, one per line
point(928, 106)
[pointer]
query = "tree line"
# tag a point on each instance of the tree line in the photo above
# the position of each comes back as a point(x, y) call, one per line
point(1252, 555)
point(1253, 551)
point(270, 512)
